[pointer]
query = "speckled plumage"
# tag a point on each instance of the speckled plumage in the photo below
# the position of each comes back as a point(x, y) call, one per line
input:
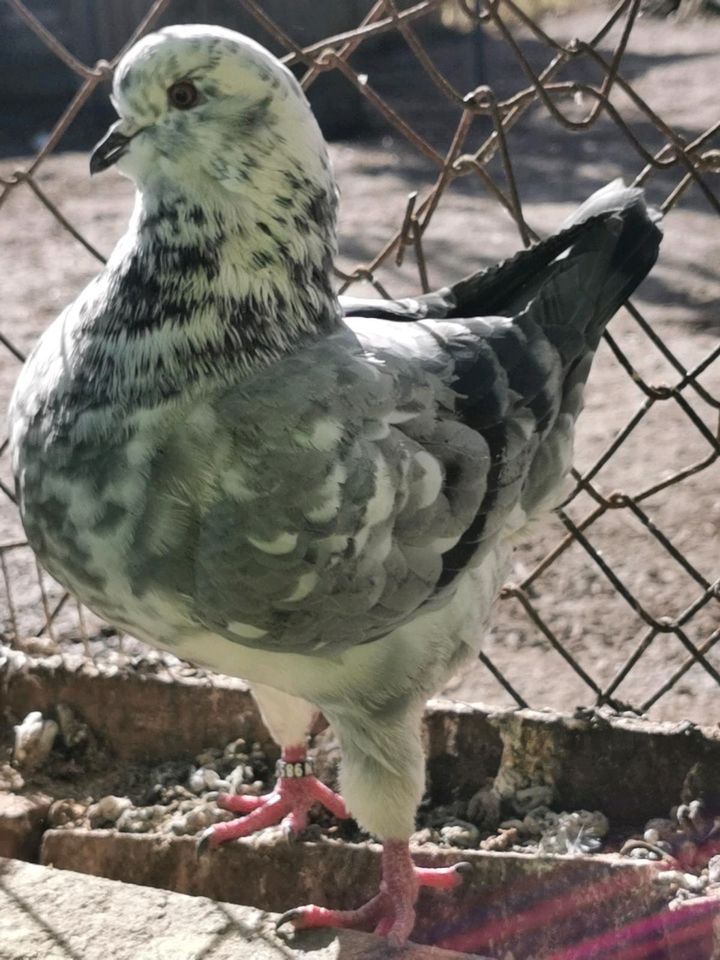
point(208, 455)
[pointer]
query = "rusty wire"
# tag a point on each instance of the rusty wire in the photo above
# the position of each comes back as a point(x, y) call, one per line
point(694, 161)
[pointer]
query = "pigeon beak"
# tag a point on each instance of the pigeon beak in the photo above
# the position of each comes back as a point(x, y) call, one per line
point(113, 146)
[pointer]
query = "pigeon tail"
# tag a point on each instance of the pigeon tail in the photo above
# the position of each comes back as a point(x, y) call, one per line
point(573, 282)
point(589, 282)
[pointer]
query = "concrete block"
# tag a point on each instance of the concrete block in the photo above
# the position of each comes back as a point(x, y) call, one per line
point(22, 821)
point(59, 915)
point(512, 906)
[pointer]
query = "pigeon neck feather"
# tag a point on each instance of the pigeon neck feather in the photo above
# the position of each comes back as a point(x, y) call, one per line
point(200, 290)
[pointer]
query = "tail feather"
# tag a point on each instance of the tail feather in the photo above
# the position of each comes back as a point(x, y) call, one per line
point(495, 290)
point(573, 282)
point(613, 197)
point(586, 286)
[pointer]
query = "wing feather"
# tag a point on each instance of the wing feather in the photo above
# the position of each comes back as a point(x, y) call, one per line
point(327, 501)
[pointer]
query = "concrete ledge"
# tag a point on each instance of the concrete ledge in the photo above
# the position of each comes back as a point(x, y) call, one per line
point(512, 905)
point(629, 768)
point(22, 822)
point(60, 915)
point(138, 714)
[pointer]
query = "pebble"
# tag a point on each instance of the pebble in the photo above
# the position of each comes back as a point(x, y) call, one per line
point(681, 897)
point(693, 819)
point(241, 776)
point(641, 853)
point(539, 821)
point(253, 789)
point(484, 808)
point(174, 793)
point(64, 812)
point(660, 829)
point(107, 810)
point(235, 748)
point(461, 834)
point(11, 780)
point(38, 646)
point(574, 833)
point(34, 739)
point(514, 824)
point(713, 869)
point(664, 846)
point(72, 730)
point(529, 798)
point(504, 840)
point(426, 835)
point(199, 819)
point(683, 881)
point(205, 778)
point(193, 821)
point(139, 819)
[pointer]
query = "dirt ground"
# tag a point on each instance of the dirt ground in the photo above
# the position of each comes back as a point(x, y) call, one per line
point(671, 64)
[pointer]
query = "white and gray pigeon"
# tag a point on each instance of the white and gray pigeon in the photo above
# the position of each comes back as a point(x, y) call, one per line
point(320, 495)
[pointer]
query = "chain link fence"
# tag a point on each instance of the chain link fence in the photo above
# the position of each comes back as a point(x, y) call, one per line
point(622, 530)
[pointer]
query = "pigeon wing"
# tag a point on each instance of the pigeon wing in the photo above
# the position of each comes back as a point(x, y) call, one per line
point(352, 482)
point(334, 495)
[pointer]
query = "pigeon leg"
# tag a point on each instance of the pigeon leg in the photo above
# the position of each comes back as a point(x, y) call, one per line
point(296, 791)
point(391, 913)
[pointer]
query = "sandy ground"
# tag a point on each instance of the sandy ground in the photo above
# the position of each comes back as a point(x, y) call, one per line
point(671, 65)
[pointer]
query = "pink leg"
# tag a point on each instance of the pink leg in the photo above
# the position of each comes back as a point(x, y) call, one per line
point(392, 911)
point(296, 791)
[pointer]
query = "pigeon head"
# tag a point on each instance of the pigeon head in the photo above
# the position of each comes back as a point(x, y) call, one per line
point(206, 110)
point(229, 251)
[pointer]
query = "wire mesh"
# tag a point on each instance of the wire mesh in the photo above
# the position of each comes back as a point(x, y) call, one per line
point(478, 148)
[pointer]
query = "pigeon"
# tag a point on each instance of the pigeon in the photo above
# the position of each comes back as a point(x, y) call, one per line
point(217, 454)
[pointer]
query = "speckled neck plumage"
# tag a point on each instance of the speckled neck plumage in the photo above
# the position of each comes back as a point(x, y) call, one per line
point(205, 291)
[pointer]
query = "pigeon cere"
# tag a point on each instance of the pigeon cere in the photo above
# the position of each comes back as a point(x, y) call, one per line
point(318, 494)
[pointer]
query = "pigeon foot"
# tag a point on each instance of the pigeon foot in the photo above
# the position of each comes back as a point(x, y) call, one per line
point(296, 791)
point(391, 913)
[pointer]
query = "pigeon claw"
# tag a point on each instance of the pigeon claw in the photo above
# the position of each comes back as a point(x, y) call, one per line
point(287, 805)
point(204, 842)
point(444, 878)
point(289, 917)
point(391, 912)
point(388, 918)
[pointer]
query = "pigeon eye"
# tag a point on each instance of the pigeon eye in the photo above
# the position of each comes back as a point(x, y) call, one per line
point(183, 94)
